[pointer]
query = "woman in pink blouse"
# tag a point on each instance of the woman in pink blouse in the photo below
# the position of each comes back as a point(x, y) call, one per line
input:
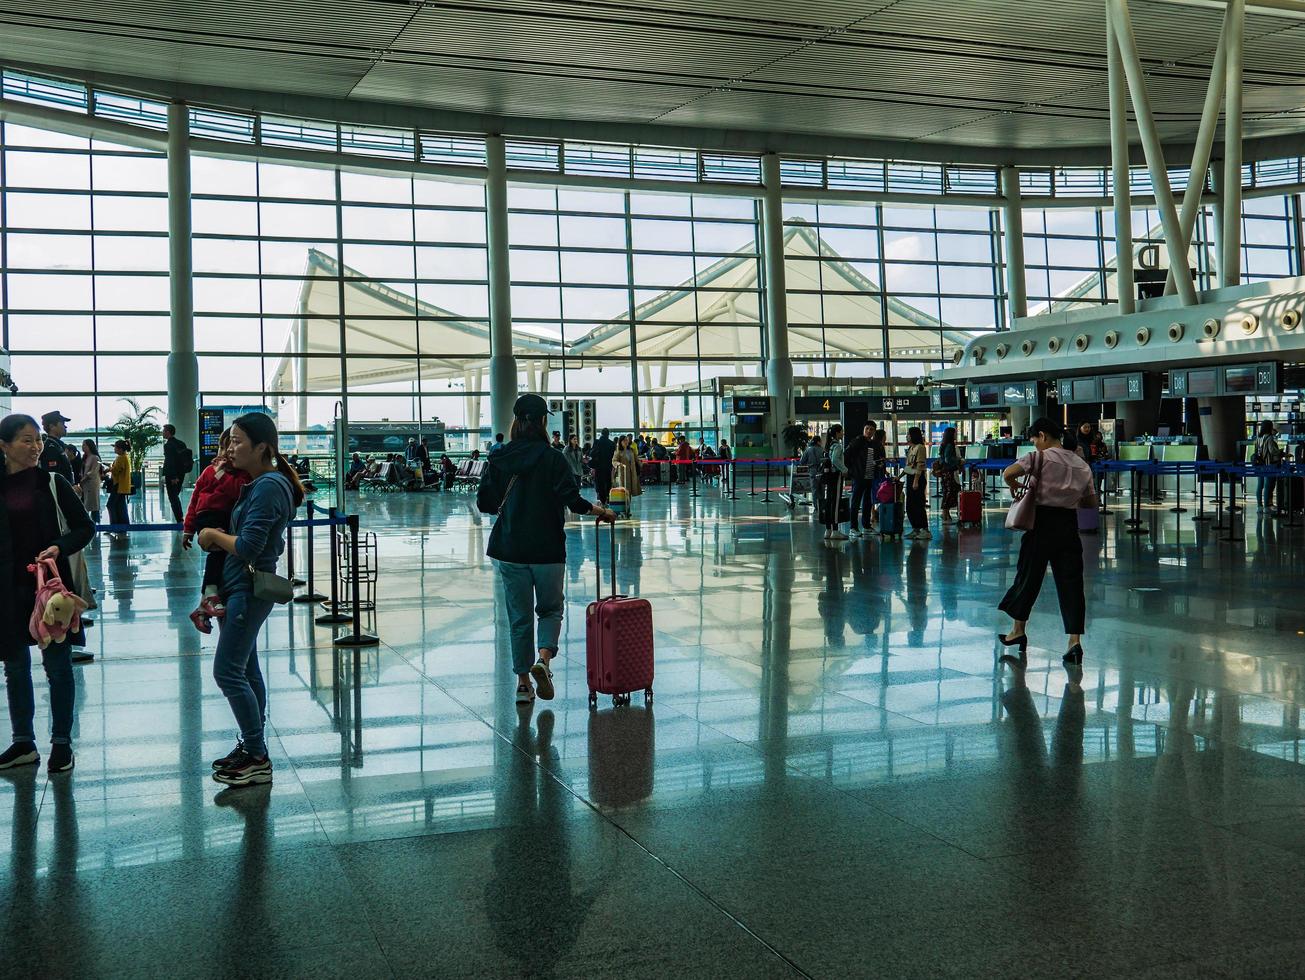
point(1065, 484)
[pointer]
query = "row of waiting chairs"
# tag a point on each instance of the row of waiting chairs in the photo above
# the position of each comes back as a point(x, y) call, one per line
point(468, 475)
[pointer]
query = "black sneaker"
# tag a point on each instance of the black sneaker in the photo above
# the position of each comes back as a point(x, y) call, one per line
point(20, 754)
point(83, 657)
point(543, 679)
point(245, 770)
point(61, 759)
point(227, 759)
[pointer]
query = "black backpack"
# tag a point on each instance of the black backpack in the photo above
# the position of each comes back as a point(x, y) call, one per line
point(186, 459)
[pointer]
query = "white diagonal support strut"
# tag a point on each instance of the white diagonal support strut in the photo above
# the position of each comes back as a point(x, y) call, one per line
point(1204, 141)
point(1155, 158)
point(1230, 267)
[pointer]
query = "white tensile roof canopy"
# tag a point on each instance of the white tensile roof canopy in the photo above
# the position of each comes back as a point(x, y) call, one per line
point(840, 321)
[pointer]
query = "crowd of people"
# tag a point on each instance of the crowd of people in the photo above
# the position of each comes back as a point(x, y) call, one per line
point(49, 506)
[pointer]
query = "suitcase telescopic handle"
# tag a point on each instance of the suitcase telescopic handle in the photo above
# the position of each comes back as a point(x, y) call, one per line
point(598, 558)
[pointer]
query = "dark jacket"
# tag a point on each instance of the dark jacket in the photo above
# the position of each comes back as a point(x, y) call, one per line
point(600, 456)
point(174, 462)
point(16, 609)
point(854, 456)
point(54, 458)
point(531, 525)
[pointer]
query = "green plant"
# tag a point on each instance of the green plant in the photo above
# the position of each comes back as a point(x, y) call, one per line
point(795, 437)
point(140, 429)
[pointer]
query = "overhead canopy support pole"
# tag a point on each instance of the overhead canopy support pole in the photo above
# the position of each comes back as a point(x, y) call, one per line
point(502, 362)
point(1155, 156)
point(1204, 140)
point(1230, 267)
point(1017, 300)
point(1120, 173)
point(779, 366)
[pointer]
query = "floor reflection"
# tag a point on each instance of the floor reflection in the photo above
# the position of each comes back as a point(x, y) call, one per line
point(835, 751)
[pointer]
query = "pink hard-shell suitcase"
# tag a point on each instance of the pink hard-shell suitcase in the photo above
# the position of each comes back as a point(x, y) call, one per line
point(618, 641)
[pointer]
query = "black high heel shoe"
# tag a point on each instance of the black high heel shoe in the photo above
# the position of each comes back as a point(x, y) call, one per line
point(1074, 655)
point(1022, 642)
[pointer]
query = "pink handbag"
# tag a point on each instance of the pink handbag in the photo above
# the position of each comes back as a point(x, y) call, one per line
point(1023, 512)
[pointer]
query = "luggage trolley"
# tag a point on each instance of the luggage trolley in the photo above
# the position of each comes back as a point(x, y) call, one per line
point(801, 489)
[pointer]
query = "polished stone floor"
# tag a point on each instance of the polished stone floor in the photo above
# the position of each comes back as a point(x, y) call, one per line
point(836, 779)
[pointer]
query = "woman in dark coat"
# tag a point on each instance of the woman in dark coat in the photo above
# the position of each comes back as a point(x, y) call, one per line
point(30, 529)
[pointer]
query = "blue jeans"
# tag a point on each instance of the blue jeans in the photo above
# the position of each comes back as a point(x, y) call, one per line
point(1264, 492)
point(236, 670)
point(57, 659)
point(524, 587)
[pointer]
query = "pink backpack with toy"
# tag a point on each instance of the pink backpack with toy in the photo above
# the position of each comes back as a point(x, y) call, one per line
point(56, 612)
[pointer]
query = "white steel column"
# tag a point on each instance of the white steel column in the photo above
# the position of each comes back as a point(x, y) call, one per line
point(1120, 174)
point(502, 363)
point(1155, 157)
point(1230, 245)
point(183, 366)
point(1204, 141)
point(1017, 300)
point(779, 367)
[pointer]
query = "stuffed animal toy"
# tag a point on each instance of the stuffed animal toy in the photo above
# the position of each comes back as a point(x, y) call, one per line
point(57, 612)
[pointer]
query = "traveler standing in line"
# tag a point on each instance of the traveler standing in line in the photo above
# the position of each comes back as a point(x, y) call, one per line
point(91, 479)
point(855, 456)
point(575, 458)
point(835, 472)
point(1063, 484)
point(529, 487)
point(917, 483)
point(498, 442)
point(54, 456)
point(255, 541)
point(178, 460)
point(41, 516)
point(600, 459)
point(947, 467)
point(626, 456)
point(811, 457)
point(1267, 452)
point(120, 485)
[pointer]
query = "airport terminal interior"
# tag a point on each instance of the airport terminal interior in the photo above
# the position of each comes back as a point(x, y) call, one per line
point(1003, 232)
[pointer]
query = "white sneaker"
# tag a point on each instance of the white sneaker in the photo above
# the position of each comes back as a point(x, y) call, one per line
point(829, 533)
point(525, 693)
point(854, 533)
point(837, 536)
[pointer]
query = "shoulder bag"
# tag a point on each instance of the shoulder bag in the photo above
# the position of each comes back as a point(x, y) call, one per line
point(81, 576)
point(1023, 512)
point(269, 586)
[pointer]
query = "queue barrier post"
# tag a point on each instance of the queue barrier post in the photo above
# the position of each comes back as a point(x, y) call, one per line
point(766, 499)
point(1135, 525)
point(355, 637)
point(333, 616)
point(295, 580)
point(310, 594)
point(1178, 507)
point(1200, 515)
point(693, 478)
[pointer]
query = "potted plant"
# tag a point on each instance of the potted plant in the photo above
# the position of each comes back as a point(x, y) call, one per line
point(142, 432)
point(795, 437)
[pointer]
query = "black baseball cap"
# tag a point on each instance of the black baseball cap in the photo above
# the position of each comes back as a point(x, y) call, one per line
point(530, 406)
point(49, 418)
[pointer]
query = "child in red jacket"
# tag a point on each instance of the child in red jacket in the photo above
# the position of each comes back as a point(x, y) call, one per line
point(214, 497)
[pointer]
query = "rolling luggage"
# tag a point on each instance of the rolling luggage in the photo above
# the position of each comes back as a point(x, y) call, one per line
point(1089, 520)
point(890, 519)
point(618, 499)
point(618, 640)
point(969, 505)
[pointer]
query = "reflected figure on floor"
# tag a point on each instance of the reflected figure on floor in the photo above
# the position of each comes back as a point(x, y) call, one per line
point(868, 600)
point(917, 592)
point(1047, 787)
point(830, 600)
point(532, 904)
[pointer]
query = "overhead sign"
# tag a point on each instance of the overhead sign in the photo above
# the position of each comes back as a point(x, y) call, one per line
point(807, 406)
point(1123, 387)
point(1228, 379)
point(749, 404)
point(905, 404)
point(947, 399)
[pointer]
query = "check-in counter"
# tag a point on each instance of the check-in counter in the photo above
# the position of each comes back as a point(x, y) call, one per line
point(1174, 453)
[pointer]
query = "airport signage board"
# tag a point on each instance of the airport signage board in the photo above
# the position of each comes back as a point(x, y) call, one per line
point(806, 406)
point(947, 399)
point(1229, 379)
point(906, 404)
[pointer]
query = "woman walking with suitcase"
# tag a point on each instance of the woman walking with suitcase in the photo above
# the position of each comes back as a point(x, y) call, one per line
point(1060, 483)
point(529, 487)
point(946, 469)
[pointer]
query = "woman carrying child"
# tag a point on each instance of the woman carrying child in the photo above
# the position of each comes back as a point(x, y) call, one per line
point(215, 495)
